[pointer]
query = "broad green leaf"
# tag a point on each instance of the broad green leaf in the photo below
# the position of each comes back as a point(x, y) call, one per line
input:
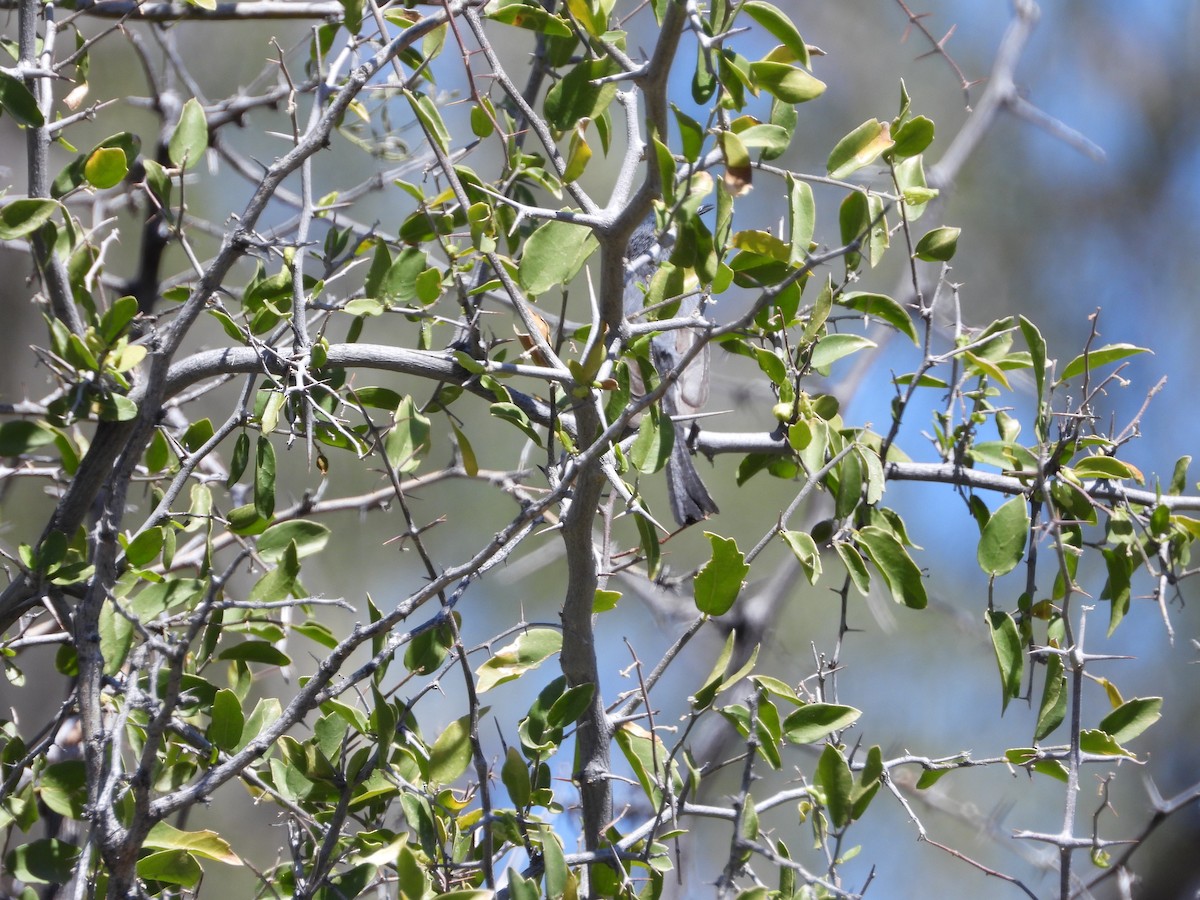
point(721, 579)
point(116, 637)
point(805, 549)
point(408, 441)
point(144, 548)
point(834, 778)
point(553, 255)
point(17, 100)
point(816, 721)
point(63, 788)
point(1002, 543)
point(170, 867)
point(190, 137)
point(309, 537)
point(859, 148)
point(1053, 708)
point(1106, 467)
point(912, 138)
point(856, 568)
point(1094, 740)
point(515, 776)
point(228, 720)
point(802, 219)
point(430, 119)
point(1131, 718)
point(1037, 353)
point(530, 649)
point(938, 245)
point(902, 575)
point(264, 478)
point(647, 755)
point(576, 96)
point(451, 753)
point(1099, 357)
point(854, 222)
point(256, 652)
point(881, 307)
point(652, 447)
point(776, 21)
point(790, 84)
point(45, 861)
point(833, 347)
point(24, 436)
point(21, 218)
point(106, 167)
point(704, 697)
point(1010, 653)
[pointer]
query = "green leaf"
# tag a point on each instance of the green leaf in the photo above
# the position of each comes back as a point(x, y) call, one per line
point(776, 21)
point(430, 119)
point(816, 721)
point(1106, 467)
point(805, 549)
point(170, 867)
point(881, 307)
point(1010, 653)
point(856, 568)
point(647, 756)
point(652, 447)
point(510, 412)
point(529, 16)
point(264, 478)
point(21, 218)
point(1099, 357)
point(790, 84)
point(802, 219)
point(834, 778)
point(1131, 718)
point(451, 753)
point(515, 776)
point(228, 720)
point(409, 440)
point(63, 788)
point(938, 245)
point(833, 347)
point(1037, 353)
point(902, 575)
point(144, 548)
point(553, 255)
point(720, 580)
point(190, 137)
point(1053, 708)
point(309, 537)
point(281, 581)
point(106, 167)
point(1002, 543)
point(530, 649)
point(24, 436)
point(18, 101)
point(47, 861)
point(576, 95)
point(912, 138)
point(1094, 740)
point(859, 148)
point(256, 652)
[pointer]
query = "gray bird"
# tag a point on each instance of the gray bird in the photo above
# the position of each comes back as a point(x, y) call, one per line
point(690, 500)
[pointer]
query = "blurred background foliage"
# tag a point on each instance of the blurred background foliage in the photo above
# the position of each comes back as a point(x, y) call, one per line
point(1047, 232)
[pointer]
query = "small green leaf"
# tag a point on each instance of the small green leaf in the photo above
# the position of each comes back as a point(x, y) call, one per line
point(510, 412)
point(790, 84)
point(1099, 357)
point(46, 861)
point(256, 652)
point(409, 440)
point(816, 721)
point(18, 101)
point(881, 307)
point(21, 218)
point(264, 478)
point(1010, 653)
point(833, 347)
point(720, 580)
point(1131, 718)
point(776, 21)
point(902, 575)
point(451, 753)
point(170, 867)
point(1053, 708)
point(912, 137)
point(1002, 543)
point(530, 649)
point(834, 778)
point(805, 549)
point(859, 148)
point(1094, 740)
point(228, 720)
point(106, 167)
point(652, 447)
point(938, 245)
point(553, 255)
point(190, 137)
point(1106, 467)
